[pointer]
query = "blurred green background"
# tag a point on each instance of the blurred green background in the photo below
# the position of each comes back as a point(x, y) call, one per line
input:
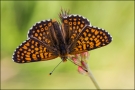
point(112, 66)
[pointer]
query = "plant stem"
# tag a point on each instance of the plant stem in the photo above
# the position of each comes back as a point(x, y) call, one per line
point(93, 79)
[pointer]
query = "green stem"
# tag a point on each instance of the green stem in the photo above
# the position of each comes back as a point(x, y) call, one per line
point(93, 79)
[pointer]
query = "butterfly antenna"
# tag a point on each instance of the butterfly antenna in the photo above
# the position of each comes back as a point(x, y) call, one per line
point(54, 69)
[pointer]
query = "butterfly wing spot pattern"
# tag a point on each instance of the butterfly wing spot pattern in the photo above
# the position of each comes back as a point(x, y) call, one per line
point(49, 39)
point(91, 38)
point(32, 51)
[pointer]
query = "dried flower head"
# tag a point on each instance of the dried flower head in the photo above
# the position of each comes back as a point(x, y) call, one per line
point(81, 60)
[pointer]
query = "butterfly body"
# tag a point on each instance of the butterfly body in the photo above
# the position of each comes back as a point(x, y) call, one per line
point(49, 39)
point(61, 43)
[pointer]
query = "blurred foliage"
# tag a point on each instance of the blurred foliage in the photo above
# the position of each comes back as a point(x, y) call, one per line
point(112, 66)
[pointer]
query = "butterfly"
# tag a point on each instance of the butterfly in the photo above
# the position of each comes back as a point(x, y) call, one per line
point(49, 39)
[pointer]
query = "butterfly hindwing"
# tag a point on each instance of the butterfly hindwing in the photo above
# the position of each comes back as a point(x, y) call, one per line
point(72, 26)
point(90, 38)
point(43, 32)
point(32, 51)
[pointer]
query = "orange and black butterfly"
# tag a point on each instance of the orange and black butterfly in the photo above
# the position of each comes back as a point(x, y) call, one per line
point(50, 39)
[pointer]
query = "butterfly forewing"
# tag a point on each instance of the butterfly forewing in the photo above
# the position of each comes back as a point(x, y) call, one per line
point(32, 51)
point(90, 38)
point(72, 26)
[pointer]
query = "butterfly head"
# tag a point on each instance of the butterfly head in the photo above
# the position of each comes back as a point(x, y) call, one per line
point(64, 58)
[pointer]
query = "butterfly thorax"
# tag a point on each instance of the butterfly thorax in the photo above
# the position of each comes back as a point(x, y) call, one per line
point(63, 52)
